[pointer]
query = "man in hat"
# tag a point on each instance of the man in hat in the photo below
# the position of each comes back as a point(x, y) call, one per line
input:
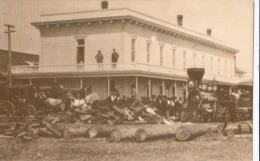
point(99, 58)
point(114, 58)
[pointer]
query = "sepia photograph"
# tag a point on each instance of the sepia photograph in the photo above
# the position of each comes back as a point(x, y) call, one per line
point(127, 80)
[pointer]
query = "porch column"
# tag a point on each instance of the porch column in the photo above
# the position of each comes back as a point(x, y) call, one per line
point(230, 90)
point(136, 85)
point(163, 87)
point(185, 90)
point(81, 83)
point(108, 86)
point(175, 86)
point(150, 88)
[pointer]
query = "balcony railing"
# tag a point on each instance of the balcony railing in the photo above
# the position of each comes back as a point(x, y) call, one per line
point(111, 68)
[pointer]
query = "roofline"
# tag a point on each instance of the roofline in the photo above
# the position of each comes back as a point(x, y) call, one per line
point(21, 52)
point(232, 49)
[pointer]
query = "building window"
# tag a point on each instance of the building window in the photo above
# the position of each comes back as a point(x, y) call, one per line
point(211, 64)
point(161, 90)
point(184, 60)
point(218, 66)
point(194, 60)
point(161, 55)
point(231, 69)
point(226, 68)
point(173, 57)
point(148, 51)
point(133, 50)
point(203, 59)
point(80, 51)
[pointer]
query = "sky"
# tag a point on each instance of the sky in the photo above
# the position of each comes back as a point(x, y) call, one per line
point(231, 21)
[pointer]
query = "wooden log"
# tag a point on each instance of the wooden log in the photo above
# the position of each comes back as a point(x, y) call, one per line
point(76, 132)
point(156, 132)
point(184, 133)
point(34, 132)
point(53, 129)
point(23, 128)
point(44, 132)
point(118, 110)
point(244, 129)
point(100, 131)
point(121, 134)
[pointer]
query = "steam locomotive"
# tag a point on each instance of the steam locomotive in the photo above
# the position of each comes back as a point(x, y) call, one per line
point(206, 106)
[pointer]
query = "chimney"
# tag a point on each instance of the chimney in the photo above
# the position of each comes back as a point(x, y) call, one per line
point(209, 32)
point(179, 20)
point(104, 5)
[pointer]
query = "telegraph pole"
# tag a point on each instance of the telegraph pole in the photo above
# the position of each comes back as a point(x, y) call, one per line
point(9, 31)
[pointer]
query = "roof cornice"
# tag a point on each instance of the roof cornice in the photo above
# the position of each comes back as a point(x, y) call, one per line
point(137, 18)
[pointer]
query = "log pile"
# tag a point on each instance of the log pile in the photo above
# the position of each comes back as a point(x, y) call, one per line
point(117, 133)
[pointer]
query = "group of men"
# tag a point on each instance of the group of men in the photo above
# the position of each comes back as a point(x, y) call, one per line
point(99, 58)
point(167, 107)
point(238, 92)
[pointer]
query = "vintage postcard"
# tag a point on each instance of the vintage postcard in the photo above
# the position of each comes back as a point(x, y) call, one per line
point(127, 80)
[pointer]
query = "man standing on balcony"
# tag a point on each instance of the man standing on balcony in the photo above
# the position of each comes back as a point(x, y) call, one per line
point(115, 57)
point(99, 58)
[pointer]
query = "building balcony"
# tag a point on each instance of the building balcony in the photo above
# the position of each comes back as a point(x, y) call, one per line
point(146, 69)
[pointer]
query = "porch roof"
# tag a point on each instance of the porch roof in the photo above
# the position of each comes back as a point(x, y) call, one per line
point(130, 73)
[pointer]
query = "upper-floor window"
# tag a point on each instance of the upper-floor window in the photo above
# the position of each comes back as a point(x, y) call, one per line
point(161, 55)
point(211, 64)
point(232, 68)
point(173, 57)
point(226, 69)
point(133, 50)
point(203, 61)
point(80, 51)
point(218, 66)
point(184, 59)
point(148, 51)
point(194, 60)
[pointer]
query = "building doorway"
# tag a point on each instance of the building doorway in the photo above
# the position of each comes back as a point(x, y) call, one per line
point(112, 86)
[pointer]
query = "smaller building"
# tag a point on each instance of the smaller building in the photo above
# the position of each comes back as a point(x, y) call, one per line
point(18, 58)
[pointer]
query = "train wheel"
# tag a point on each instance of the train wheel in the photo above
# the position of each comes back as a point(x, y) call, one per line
point(6, 111)
point(30, 113)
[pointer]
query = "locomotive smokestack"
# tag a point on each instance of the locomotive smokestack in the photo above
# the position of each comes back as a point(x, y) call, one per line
point(196, 74)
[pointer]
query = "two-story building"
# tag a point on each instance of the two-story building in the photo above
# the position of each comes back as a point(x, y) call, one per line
point(153, 54)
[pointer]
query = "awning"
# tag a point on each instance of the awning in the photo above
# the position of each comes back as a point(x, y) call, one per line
point(245, 84)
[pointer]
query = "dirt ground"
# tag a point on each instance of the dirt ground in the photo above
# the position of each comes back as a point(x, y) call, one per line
point(214, 148)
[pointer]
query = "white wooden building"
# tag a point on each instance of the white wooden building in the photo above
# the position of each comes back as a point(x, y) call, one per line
point(153, 54)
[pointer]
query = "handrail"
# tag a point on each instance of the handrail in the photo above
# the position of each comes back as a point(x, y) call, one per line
point(109, 67)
